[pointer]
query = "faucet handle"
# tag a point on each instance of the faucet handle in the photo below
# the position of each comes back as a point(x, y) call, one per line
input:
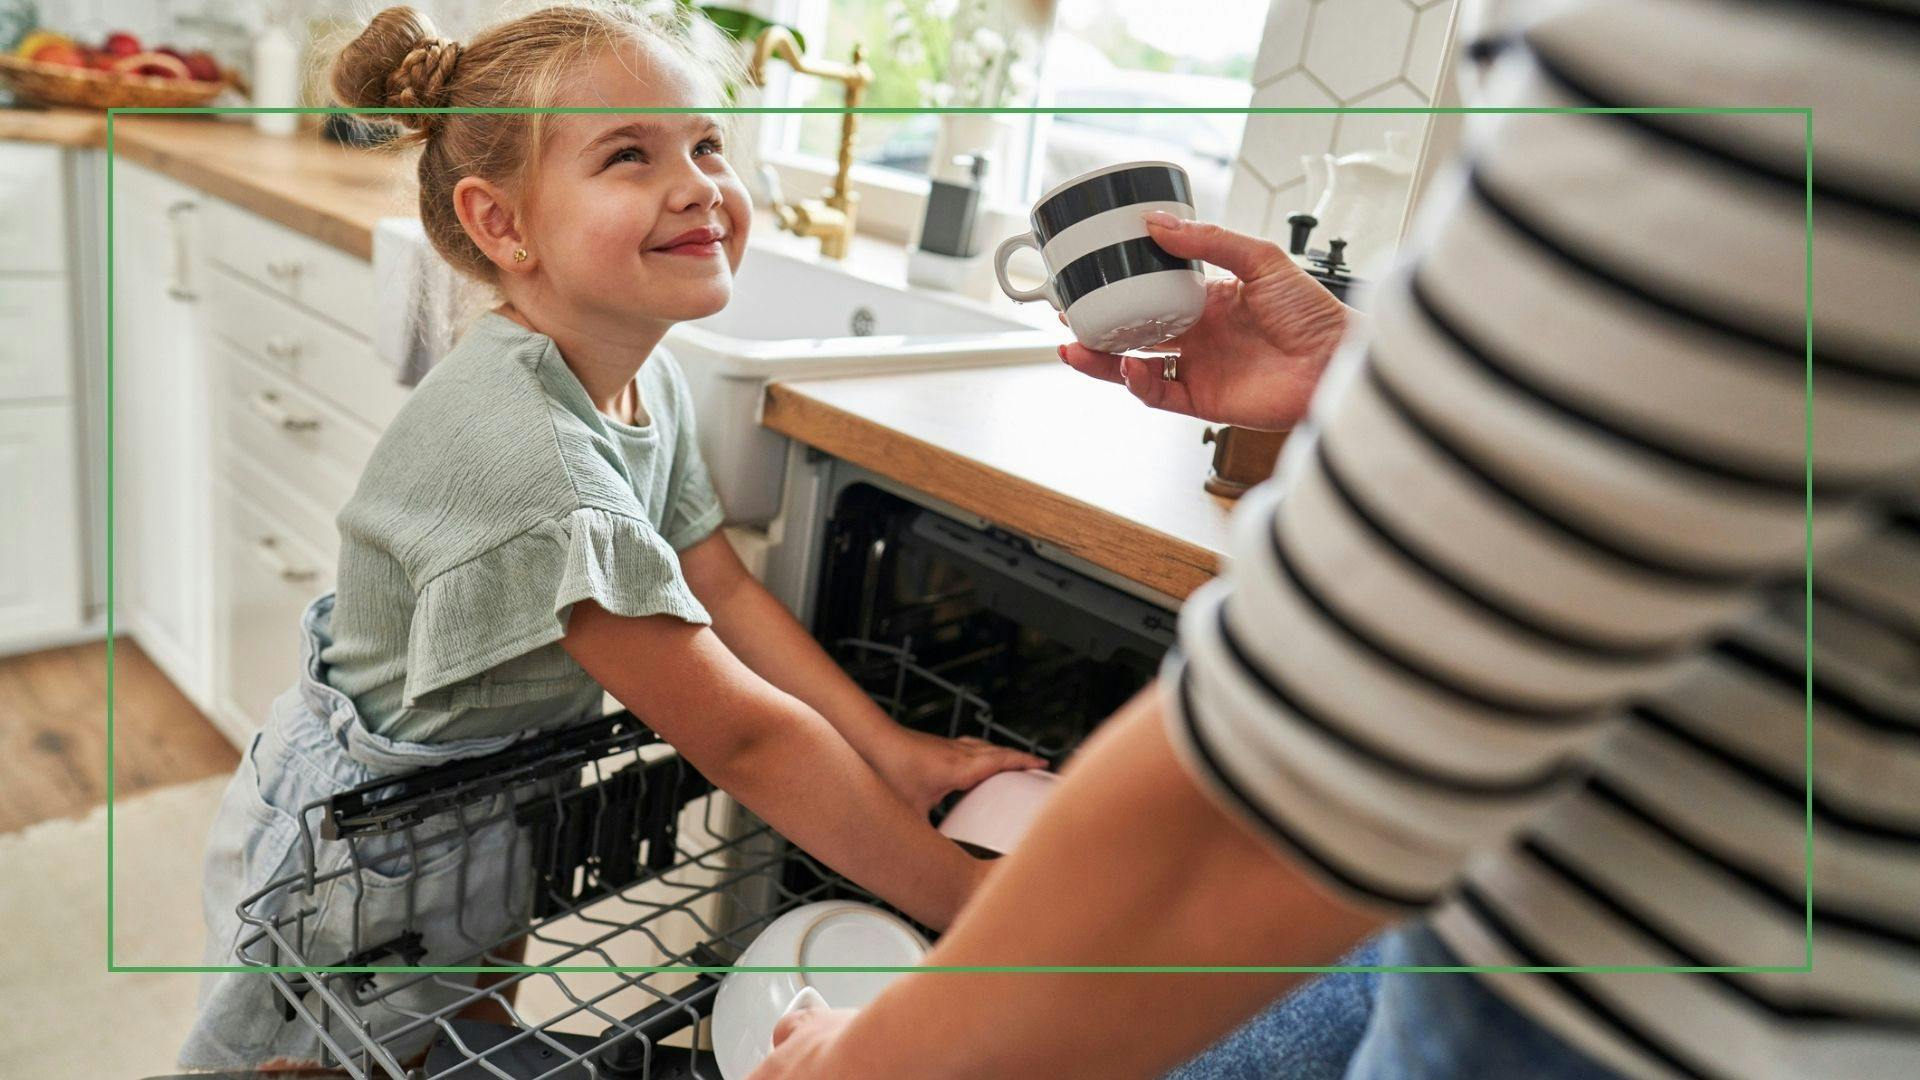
point(770, 184)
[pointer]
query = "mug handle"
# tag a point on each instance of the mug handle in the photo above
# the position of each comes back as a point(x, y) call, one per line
point(1007, 248)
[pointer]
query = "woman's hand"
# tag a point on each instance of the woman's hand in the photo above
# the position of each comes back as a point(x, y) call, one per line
point(922, 769)
point(1256, 354)
point(803, 1044)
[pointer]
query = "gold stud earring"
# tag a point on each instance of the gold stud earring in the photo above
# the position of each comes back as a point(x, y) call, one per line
point(519, 254)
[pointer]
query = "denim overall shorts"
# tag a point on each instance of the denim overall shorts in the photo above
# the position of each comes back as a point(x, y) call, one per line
point(459, 897)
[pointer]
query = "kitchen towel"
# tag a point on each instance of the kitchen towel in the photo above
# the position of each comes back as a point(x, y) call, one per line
point(414, 298)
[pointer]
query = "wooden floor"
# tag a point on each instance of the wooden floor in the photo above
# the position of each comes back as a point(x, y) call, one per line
point(53, 732)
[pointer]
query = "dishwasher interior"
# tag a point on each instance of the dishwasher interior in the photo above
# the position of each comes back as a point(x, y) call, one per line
point(632, 861)
point(964, 630)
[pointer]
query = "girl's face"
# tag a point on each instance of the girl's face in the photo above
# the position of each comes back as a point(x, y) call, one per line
point(615, 192)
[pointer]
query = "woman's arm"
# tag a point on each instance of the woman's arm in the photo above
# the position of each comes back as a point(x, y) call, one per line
point(1130, 865)
point(775, 754)
point(760, 631)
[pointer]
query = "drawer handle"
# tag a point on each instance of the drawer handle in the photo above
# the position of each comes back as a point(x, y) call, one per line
point(267, 404)
point(284, 269)
point(267, 550)
point(181, 287)
point(281, 348)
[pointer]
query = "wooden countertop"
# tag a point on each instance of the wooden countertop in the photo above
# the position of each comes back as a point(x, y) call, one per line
point(1038, 449)
point(330, 192)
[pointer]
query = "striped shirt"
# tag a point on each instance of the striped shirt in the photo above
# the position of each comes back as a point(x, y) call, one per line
point(1515, 641)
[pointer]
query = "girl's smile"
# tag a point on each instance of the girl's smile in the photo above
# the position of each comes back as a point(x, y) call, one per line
point(702, 241)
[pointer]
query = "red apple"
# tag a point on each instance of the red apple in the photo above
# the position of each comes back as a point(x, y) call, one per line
point(202, 66)
point(121, 43)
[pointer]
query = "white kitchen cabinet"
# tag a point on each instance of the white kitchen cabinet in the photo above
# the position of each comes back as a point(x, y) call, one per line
point(42, 567)
point(39, 551)
point(298, 401)
point(36, 337)
point(162, 535)
point(33, 218)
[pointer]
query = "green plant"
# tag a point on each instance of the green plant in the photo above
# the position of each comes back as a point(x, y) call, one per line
point(740, 25)
point(976, 56)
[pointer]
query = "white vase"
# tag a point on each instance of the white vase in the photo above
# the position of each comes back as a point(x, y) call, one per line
point(276, 80)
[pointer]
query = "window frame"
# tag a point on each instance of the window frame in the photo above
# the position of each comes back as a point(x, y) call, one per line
point(891, 201)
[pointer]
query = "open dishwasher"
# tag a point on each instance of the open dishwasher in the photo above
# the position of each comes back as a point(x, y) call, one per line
point(626, 857)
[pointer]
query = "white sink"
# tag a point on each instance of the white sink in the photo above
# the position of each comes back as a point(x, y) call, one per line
point(799, 317)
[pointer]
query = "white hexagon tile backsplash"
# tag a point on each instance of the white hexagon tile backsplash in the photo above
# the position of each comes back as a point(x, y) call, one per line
point(1329, 53)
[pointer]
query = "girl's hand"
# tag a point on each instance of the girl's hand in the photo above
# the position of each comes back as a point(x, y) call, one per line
point(922, 769)
point(1256, 354)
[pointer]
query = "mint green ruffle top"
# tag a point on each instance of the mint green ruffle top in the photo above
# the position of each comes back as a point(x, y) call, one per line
point(497, 499)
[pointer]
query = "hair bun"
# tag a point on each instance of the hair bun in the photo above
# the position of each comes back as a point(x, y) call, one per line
point(420, 82)
point(399, 61)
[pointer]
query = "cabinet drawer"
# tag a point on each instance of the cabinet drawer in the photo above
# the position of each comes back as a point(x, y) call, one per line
point(33, 213)
point(308, 520)
point(36, 339)
point(297, 442)
point(269, 578)
point(298, 267)
point(312, 352)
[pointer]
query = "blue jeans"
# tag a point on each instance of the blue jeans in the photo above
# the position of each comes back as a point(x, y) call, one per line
point(1311, 1033)
point(1392, 1026)
point(459, 897)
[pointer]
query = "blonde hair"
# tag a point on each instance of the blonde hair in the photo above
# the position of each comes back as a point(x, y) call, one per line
point(400, 61)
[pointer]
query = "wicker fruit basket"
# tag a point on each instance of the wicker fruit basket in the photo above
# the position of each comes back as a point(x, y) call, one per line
point(90, 88)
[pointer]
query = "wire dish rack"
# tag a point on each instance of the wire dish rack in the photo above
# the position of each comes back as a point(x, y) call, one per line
point(616, 853)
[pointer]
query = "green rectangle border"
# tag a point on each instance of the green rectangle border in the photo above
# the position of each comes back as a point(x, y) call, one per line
point(1804, 112)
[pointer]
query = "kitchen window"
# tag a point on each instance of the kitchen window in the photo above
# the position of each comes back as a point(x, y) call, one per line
point(1090, 53)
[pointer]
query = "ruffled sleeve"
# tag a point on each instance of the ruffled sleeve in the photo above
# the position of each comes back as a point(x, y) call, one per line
point(479, 629)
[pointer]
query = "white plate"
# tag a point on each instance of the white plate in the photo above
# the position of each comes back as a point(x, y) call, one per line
point(831, 933)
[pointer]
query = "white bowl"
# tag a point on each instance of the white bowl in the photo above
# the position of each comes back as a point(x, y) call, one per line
point(831, 933)
point(998, 812)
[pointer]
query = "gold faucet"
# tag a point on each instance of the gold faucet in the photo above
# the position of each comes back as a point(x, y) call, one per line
point(830, 217)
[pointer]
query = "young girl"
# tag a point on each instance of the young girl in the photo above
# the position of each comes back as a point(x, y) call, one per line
point(537, 526)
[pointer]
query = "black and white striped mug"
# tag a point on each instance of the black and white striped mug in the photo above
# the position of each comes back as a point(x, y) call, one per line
point(1118, 289)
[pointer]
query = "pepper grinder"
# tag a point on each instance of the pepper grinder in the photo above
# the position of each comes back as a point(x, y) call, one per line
point(1242, 457)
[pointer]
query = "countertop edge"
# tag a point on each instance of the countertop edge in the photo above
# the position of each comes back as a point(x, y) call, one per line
point(72, 128)
point(350, 237)
point(77, 129)
point(1134, 551)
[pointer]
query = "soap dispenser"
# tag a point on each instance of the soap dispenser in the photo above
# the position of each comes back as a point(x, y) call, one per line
point(953, 209)
point(948, 254)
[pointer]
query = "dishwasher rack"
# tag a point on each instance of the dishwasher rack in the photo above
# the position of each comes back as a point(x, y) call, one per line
point(616, 842)
point(612, 834)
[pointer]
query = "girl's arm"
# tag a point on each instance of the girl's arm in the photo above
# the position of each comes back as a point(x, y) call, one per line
point(775, 754)
point(767, 638)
